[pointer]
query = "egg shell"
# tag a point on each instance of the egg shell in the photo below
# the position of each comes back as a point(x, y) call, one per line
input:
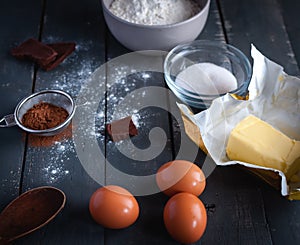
point(180, 176)
point(185, 217)
point(113, 207)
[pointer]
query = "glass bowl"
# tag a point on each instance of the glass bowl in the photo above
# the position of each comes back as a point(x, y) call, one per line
point(203, 51)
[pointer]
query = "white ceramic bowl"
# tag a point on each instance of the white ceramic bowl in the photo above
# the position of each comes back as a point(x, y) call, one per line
point(155, 37)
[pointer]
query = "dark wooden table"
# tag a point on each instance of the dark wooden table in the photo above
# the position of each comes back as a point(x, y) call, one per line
point(242, 209)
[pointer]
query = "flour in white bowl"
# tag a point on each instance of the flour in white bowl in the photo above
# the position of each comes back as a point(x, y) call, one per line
point(154, 12)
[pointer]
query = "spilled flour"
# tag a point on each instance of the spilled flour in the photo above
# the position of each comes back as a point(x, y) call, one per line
point(57, 168)
point(58, 152)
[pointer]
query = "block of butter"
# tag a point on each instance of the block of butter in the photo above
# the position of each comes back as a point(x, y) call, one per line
point(257, 142)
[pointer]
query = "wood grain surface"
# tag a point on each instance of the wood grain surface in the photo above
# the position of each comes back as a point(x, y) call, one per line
point(242, 209)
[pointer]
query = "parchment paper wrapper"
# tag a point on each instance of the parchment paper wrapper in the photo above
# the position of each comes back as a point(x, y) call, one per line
point(274, 97)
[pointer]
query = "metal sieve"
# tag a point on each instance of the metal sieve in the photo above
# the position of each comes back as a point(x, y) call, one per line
point(55, 97)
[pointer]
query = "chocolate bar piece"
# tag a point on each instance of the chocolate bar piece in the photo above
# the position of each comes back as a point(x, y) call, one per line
point(34, 50)
point(121, 129)
point(63, 50)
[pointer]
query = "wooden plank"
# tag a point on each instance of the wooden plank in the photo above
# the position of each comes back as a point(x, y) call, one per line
point(213, 29)
point(231, 195)
point(54, 160)
point(290, 11)
point(149, 228)
point(235, 208)
point(265, 28)
point(13, 88)
point(285, 214)
point(137, 169)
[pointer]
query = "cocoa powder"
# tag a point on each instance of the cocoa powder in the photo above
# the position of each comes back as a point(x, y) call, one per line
point(48, 141)
point(44, 116)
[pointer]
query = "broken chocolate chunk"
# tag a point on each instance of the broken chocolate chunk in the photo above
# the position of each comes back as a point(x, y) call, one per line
point(63, 51)
point(47, 56)
point(121, 129)
point(36, 51)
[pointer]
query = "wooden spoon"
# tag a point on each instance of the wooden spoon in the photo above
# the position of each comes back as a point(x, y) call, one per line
point(29, 212)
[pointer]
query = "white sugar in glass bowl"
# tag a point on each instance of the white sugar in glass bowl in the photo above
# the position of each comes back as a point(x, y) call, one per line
point(138, 37)
point(200, 71)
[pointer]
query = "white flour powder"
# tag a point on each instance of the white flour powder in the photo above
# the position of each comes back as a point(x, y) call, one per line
point(154, 12)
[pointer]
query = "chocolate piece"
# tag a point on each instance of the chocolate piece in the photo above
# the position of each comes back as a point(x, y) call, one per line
point(121, 129)
point(63, 50)
point(34, 50)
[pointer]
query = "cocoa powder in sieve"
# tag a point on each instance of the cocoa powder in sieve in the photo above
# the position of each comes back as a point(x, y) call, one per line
point(44, 116)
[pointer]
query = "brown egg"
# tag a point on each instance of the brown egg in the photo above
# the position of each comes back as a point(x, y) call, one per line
point(185, 217)
point(180, 176)
point(113, 207)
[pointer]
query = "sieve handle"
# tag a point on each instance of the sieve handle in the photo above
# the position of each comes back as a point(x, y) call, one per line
point(7, 121)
